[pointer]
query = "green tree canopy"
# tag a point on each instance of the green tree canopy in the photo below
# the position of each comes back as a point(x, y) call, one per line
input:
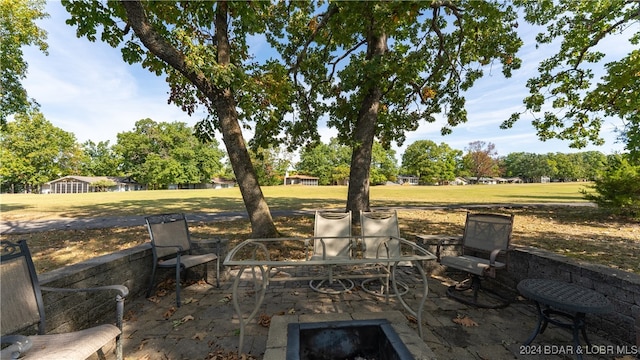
point(566, 82)
point(328, 162)
point(271, 164)
point(559, 166)
point(379, 69)
point(34, 151)
point(618, 187)
point(17, 29)
point(160, 154)
point(384, 166)
point(432, 163)
point(101, 160)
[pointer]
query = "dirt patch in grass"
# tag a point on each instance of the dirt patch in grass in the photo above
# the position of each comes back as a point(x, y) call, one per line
point(583, 233)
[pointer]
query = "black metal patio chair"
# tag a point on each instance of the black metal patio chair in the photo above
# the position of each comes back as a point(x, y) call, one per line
point(485, 237)
point(22, 308)
point(171, 244)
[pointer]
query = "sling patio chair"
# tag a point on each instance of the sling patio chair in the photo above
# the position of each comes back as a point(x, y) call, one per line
point(381, 239)
point(22, 309)
point(331, 240)
point(485, 237)
point(171, 244)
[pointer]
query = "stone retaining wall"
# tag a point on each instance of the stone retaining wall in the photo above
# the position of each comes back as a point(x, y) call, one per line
point(131, 267)
point(620, 287)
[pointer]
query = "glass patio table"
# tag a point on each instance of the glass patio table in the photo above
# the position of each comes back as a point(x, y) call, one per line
point(257, 256)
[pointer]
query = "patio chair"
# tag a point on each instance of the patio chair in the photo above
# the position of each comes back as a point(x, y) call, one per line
point(171, 244)
point(380, 239)
point(485, 237)
point(23, 308)
point(331, 240)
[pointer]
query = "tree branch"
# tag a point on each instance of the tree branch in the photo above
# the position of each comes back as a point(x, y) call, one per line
point(152, 40)
point(333, 9)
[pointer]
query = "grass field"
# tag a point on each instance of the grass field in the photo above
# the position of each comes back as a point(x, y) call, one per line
point(39, 206)
point(584, 233)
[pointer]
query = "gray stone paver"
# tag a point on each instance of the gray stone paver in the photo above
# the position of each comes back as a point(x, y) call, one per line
point(215, 327)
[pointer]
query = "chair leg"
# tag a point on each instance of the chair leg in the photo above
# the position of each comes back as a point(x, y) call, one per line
point(218, 271)
point(455, 292)
point(101, 355)
point(178, 285)
point(153, 278)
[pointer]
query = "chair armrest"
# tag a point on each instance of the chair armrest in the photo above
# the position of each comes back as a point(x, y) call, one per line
point(123, 290)
point(180, 249)
point(447, 241)
point(19, 344)
point(216, 239)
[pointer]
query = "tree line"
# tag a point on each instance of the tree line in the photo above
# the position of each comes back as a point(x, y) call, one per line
point(159, 154)
point(375, 69)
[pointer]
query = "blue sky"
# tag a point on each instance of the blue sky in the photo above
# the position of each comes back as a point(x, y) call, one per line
point(87, 89)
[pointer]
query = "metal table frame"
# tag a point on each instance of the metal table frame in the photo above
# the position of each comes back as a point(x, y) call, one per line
point(566, 300)
point(260, 260)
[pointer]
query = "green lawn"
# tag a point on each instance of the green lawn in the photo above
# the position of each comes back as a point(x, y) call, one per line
point(40, 206)
point(583, 233)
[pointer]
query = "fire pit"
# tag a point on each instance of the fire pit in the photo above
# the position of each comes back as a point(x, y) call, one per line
point(353, 339)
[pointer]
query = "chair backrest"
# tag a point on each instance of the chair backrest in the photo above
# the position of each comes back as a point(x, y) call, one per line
point(332, 229)
point(377, 228)
point(21, 299)
point(168, 230)
point(487, 232)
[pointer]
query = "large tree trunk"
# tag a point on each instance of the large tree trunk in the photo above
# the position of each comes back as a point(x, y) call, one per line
point(261, 221)
point(365, 131)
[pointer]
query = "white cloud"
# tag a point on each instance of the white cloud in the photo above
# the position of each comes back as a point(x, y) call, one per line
point(87, 89)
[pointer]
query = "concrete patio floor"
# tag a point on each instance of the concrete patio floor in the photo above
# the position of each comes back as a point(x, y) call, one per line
point(206, 325)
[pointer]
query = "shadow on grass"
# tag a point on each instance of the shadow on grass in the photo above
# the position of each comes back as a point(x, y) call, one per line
point(584, 233)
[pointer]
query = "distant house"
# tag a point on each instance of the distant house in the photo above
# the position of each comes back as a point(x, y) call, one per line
point(482, 180)
point(300, 180)
point(459, 181)
point(222, 183)
point(408, 179)
point(86, 184)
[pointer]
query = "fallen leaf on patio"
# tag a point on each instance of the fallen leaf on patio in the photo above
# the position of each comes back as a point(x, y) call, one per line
point(154, 299)
point(465, 321)
point(296, 293)
point(280, 313)
point(186, 318)
point(225, 299)
point(202, 282)
point(199, 336)
point(292, 311)
point(169, 313)
point(188, 300)
point(142, 344)
point(130, 316)
point(221, 355)
point(412, 319)
point(161, 293)
point(264, 320)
